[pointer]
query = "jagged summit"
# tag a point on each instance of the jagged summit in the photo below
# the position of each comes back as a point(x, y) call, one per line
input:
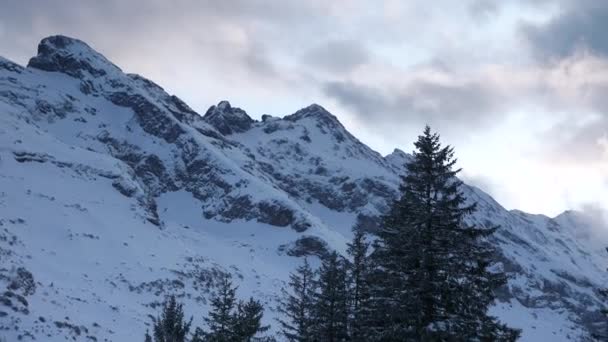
point(324, 120)
point(71, 56)
point(314, 111)
point(227, 119)
point(397, 153)
point(397, 159)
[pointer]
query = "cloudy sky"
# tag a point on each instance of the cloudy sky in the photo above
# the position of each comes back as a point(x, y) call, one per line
point(519, 87)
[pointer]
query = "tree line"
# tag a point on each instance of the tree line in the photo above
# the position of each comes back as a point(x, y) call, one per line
point(228, 320)
point(426, 275)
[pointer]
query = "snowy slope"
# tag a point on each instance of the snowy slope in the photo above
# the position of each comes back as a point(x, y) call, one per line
point(114, 193)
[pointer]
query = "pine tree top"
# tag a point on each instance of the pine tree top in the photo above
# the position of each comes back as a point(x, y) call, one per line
point(431, 280)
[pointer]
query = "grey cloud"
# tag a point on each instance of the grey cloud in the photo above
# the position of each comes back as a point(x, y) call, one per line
point(361, 98)
point(121, 28)
point(482, 182)
point(576, 33)
point(569, 142)
point(483, 8)
point(258, 62)
point(579, 136)
point(581, 25)
point(198, 50)
point(338, 55)
point(580, 28)
point(455, 106)
point(595, 220)
point(575, 143)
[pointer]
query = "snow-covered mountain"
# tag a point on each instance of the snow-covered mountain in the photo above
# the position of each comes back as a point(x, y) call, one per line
point(114, 193)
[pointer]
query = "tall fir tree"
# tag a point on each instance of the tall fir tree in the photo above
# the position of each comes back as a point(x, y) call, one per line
point(222, 321)
point(431, 277)
point(297, 305)
point(249, 320)
point(171, 326)
point(358, 287)
point(331, 301)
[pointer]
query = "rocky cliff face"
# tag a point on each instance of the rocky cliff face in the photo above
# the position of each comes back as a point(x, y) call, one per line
point(228, 120)
point(114, 193)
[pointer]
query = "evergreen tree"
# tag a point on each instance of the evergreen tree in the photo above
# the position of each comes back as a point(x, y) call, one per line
point(359, 290)
point(431, 278)
point(297, 305)
point(331, 301)
point(221, 320)
point(603, 335)
point(249, 320)
point(229, 321)
point(199, 335)
point(170, 327)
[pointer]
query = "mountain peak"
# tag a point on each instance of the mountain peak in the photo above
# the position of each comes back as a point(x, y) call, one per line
point(316, 112)
point(398, 159)
point(313, 110)
point(224, 105)
point(398, 152)
point(227, 119)
point(70, 56)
